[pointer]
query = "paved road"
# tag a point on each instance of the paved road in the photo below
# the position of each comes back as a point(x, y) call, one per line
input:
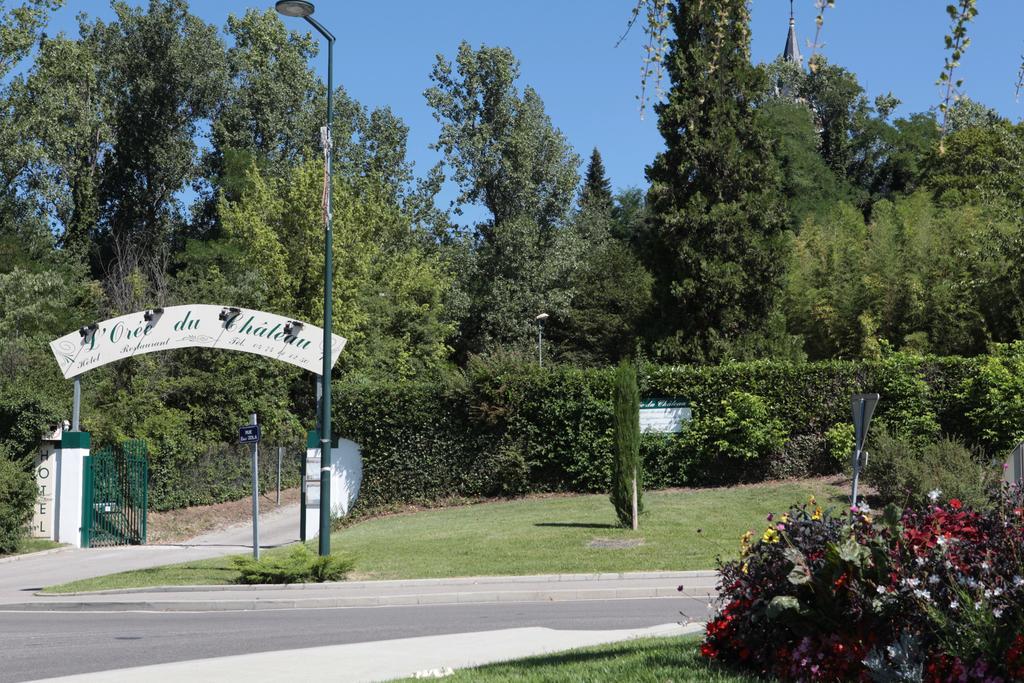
point(27, 574)
point(39, 645)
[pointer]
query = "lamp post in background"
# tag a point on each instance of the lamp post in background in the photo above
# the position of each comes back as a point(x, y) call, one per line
point(541, 319)
point(299, 8)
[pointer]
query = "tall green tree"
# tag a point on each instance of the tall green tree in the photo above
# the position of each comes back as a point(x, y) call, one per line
point(505, 154)
point(717, 236)
point(165, 72)
point(597, 188)
point(627, 470)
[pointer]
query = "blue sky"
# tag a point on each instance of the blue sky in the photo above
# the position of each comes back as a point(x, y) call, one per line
point(385, 52)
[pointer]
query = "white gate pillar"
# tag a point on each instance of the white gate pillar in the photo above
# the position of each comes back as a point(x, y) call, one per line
point(74, 448)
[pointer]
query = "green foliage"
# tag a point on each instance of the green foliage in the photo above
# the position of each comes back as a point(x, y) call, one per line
point(17, 498)
point(904, 472)
point(917, 276)
point(506, 155)
point(740, 427)
point(716, 248)
point(839, 440)
point(627, 469)
point(993, 400)
point(300, 565)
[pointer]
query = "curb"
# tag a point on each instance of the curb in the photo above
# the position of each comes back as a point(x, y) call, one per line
point(464, 598)
point(693, 585)
point(30, 556)
point(401, 583)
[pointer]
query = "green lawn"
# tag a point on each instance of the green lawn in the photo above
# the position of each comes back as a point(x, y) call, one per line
point(539, 535)
point(650, 660)
point(33, 545)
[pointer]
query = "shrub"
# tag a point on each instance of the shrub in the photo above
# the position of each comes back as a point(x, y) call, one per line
point(740, 428)
point(300, 565)
point(900, 596)
point(904, 472)
point(17, 496)
point(993, 400)
point(839, 440)
point(627, 479)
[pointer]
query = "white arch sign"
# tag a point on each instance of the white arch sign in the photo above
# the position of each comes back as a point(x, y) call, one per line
point(196, 325)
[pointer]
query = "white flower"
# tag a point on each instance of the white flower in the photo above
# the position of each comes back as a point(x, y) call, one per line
point(880, 590)
point(954, 605)
point(913, 583)
point(977, 604)
point(997, 612)
point(984, 565)
point(942, 540)
point(934, 494)
point(933, 579)
point(1018, 581)
point(920, 561)
point(923, 594)
point(997, 591)
point(988, 593)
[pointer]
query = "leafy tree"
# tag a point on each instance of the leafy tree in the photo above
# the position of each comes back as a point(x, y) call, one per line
point(505, 154)
point(166, 68)
point(980, 164)
point(717, 242)
point(808, 183)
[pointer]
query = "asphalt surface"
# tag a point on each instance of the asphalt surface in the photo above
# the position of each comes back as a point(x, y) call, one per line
point(48, 644)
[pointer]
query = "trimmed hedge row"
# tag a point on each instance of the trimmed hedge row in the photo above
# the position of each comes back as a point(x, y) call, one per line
point(512, 429)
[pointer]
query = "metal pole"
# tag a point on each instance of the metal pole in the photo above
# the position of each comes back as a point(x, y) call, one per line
point(76, 404)
point(280, 457)
point(856, 459)
point(255, 494)
point(540, 344)
point(325, 419)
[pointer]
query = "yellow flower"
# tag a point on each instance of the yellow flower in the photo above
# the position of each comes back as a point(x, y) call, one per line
point(866, 518)
point(784, 519)
point(745, 542)
point(812, 501)
point(770, 536)
point(817, 514)
point(746, 567)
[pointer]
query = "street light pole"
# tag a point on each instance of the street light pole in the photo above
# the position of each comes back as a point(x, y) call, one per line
point(541, 319)
point(299, 8)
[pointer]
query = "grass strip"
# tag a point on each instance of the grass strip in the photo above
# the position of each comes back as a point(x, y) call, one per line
point(681, 530)
point(645, 660)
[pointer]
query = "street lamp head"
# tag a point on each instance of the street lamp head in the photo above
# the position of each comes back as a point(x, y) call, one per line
point(542, 318)
point(294, 8)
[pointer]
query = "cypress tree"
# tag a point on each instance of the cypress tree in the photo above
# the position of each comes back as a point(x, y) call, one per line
point(716, 244)
point(597, 189)
point(627, 474)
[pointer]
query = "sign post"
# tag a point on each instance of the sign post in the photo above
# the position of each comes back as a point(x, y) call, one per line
point(251, 434)
point(863, 407)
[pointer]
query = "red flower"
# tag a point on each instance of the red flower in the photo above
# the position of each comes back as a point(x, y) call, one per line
point(955, 503)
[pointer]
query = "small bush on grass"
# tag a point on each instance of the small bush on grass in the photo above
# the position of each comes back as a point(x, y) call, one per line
point(17, 496)
point(905, 473)
point(300, 565)
point(932, 592)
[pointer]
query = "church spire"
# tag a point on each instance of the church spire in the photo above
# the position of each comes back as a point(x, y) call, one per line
point(791, 53)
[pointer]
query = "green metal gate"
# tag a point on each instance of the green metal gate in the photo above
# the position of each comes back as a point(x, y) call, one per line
point(114, 496)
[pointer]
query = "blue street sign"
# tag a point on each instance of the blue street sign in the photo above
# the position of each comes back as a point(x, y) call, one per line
point(249, 434)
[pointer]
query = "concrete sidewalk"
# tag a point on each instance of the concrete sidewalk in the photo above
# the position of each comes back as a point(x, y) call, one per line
point(485, 589)
point(24, 574)
point(379, 661)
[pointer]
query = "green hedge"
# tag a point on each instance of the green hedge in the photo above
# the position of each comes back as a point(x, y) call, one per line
point(510, 429)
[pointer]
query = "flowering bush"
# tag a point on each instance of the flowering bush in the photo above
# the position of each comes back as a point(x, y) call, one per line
point(933, 593)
